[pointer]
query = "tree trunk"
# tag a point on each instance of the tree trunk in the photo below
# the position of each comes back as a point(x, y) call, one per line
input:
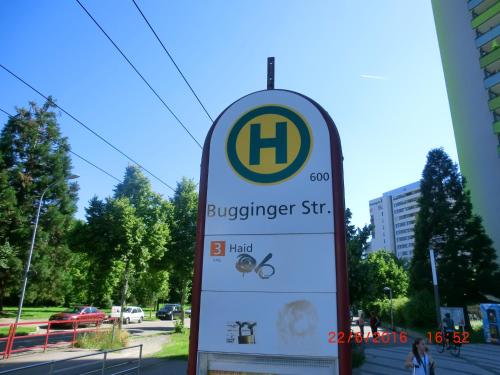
point(2, 294)
point(152, 305)
point(124, 295)
point(183, 300)
point(468, 326)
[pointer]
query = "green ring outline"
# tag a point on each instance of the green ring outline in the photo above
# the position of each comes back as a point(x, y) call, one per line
point(294, 167)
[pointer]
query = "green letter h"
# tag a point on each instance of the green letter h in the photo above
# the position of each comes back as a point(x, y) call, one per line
point(279, 143)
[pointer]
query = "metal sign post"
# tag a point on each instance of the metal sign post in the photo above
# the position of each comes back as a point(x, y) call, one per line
point(270, 73)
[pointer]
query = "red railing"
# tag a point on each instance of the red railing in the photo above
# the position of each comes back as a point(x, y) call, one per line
point(67, 336)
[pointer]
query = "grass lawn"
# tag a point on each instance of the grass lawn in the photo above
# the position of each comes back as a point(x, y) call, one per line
point(149, 313)
point(21, 331)
point(177, 348)
point(41, 313)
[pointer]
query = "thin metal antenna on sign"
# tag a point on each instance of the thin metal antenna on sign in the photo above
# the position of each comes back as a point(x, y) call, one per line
point(270, 73)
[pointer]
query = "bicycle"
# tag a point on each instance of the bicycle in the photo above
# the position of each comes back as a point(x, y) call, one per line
point(449, 343)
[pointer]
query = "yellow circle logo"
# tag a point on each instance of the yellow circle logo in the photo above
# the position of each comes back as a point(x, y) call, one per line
point(269, 144)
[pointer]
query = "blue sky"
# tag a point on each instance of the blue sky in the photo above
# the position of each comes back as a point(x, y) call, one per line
point(373, 65)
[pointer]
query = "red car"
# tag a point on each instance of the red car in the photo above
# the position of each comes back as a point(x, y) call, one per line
point(80, 313)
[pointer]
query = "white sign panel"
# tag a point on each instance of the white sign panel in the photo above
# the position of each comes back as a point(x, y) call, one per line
point(291, 324)
point(281, 263)
point(298, 198)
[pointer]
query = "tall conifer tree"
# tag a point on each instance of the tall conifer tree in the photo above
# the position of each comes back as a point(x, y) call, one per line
point(34, 155)
point(464, 254)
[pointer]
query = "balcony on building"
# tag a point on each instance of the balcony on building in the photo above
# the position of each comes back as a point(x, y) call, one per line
point(479, 6)
point(486, 15)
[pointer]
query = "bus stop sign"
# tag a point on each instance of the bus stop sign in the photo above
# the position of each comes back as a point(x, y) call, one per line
point(270, 279)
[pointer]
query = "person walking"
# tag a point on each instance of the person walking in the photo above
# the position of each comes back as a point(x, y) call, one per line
point(374, 323)
point(419, 359)
point(361, 325)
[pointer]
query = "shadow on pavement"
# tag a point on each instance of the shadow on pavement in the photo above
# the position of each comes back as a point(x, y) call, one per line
point(137, 330)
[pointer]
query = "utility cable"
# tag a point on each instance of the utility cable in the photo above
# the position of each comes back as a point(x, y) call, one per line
point(139, 73)
point(95, 166)
point(88, 128)
point(7, 113)
point(171, 59)
point(74, 153)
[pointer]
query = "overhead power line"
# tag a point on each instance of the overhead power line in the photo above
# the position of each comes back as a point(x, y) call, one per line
point(95, 166)
point(171, 59)
point(74, 153)
point(139, 74)
point(7, 113)
point(88, 128)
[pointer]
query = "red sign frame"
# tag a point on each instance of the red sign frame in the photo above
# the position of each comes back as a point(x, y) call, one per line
point(343, 319)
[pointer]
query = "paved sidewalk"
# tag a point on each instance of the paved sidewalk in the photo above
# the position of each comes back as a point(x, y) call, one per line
point(151, 345)
point(475, 359)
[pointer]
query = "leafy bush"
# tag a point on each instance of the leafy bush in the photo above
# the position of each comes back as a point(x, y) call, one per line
point(103, 340)
point(420, 311)
point(179, 326)
point(383, 309)
point(477, 334)
point(417, 311)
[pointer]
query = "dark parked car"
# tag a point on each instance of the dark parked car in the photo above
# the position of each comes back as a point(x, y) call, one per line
point(81, 314)
point(169, 311)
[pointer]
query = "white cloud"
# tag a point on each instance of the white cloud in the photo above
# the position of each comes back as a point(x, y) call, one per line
point(369, 76)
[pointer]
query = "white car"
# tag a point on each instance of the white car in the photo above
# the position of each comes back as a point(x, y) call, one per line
point(130, 314)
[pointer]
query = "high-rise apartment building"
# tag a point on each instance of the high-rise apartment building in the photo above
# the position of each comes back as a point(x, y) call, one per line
point(393, 217)
point(469, 39)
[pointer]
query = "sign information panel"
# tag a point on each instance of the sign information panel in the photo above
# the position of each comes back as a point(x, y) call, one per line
point(270, 269)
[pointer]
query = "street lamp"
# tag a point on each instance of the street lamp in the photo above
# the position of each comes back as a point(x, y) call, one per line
point(436, 288)
point(28, 264)
point(387, 289)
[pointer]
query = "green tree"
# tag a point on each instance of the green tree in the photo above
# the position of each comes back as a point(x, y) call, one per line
point(127, 232)
point(385, 270)
point(9, 264)
point(151, 286)
point(108, 236)
point(151, 280)
point(357, 244)
point(464, 254)
point(183, 231)
point(33, 156)
point(93, 241)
